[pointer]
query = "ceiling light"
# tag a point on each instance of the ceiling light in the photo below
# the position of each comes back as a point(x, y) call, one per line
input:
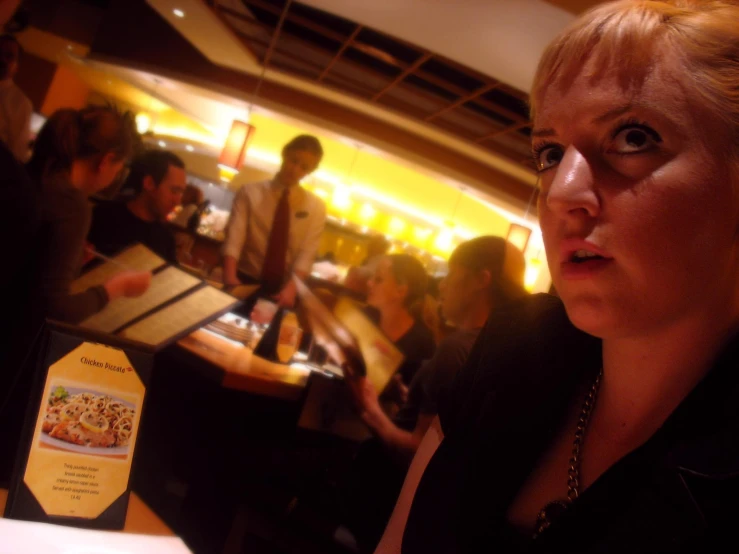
point(162, 144)
point(189, 148)
point(143, 123)
point(178, 12)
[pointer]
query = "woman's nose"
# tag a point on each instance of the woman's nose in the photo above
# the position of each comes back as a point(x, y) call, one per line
point(572, 190)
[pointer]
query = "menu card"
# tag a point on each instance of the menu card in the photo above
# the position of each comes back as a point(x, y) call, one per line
point(137, 257)
point(348, 335)
point(181, 317)
point(165, 285)
point(175, 304)
point(80, 431)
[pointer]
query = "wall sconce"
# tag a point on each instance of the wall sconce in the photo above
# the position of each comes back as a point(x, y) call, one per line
point(233, 154)
point(518, 236)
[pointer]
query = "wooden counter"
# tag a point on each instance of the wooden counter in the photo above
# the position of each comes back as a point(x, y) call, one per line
point(235, 367)
point(139, 518)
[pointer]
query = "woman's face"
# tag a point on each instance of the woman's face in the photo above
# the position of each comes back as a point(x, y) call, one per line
point(638, 210)
point(384, 291)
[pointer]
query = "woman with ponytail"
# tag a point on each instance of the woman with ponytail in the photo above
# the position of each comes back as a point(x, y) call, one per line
point(397, 292)
point(77, 153)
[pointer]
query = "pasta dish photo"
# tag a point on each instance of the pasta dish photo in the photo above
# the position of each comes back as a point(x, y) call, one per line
point(90, 421)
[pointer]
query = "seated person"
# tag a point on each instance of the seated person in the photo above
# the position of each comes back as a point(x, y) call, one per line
point(484, 273)
point(358, 276)
point(396, 295)
point(158, 179)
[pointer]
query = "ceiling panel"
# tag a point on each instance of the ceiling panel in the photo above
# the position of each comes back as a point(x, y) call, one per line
point(353, 58)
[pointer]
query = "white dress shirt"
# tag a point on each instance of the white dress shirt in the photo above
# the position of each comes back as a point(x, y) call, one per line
point(250, 223)
point(15, 119)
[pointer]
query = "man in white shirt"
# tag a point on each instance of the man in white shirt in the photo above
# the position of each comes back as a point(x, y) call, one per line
point(275, 226)
point(15, 107)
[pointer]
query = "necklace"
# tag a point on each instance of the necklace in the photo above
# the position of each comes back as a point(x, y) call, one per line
point(556, 508)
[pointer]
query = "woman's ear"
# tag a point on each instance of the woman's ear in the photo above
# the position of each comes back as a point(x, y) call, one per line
point(107, 161)
point(148, 184)
point(484, 278)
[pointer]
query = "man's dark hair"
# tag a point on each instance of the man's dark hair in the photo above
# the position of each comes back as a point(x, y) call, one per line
point(308, 143)
point(152, 163)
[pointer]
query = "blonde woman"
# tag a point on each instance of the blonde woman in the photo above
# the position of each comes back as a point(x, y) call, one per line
point(609, 422)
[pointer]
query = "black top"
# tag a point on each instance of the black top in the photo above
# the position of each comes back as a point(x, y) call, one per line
point(114, 227)
point(416, 345)
point(434, 376)
point(677, 493)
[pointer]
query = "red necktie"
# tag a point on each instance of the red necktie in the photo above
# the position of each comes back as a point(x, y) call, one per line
point(273, 270)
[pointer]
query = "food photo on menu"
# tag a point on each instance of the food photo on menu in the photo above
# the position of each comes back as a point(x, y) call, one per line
point(87, 422)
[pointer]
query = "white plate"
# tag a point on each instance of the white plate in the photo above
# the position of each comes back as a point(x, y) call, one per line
point(95, 451)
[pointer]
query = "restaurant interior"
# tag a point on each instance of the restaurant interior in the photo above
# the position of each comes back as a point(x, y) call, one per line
point(422, 112)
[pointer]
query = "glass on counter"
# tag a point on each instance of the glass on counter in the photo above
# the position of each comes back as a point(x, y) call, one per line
point(290, 336)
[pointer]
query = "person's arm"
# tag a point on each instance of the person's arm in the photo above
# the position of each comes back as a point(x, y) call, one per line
point(235, 237)
point(63, 257)
point(21, 133)
point(401, 443)
point(392, 539)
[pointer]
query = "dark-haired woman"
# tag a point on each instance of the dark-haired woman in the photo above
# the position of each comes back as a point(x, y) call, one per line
point(77, 153)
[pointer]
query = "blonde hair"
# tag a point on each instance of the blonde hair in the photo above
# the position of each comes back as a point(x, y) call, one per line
point(628, 33)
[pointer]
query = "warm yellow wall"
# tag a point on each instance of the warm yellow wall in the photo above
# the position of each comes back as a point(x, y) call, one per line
point(66, 90)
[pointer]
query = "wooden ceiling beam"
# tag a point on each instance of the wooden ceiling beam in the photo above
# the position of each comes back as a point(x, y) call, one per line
point(276, 34)
point(462, 100)
point(307, 23)
point(426, 56)
point(509, 129)
point(347, 43)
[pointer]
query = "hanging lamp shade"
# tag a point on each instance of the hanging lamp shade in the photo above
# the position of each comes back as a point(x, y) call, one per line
point(518, 236)
point(233, 154)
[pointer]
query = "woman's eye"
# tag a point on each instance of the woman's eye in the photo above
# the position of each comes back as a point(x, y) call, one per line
point(548, 156)
point(634, 139)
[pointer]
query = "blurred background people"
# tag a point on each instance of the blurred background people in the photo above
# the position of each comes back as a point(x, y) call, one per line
point(357, 277)
point(189, 216)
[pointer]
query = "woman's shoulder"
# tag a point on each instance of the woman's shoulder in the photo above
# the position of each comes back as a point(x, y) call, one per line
point(526, 348)
point(423, 338)
point(60, 200)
